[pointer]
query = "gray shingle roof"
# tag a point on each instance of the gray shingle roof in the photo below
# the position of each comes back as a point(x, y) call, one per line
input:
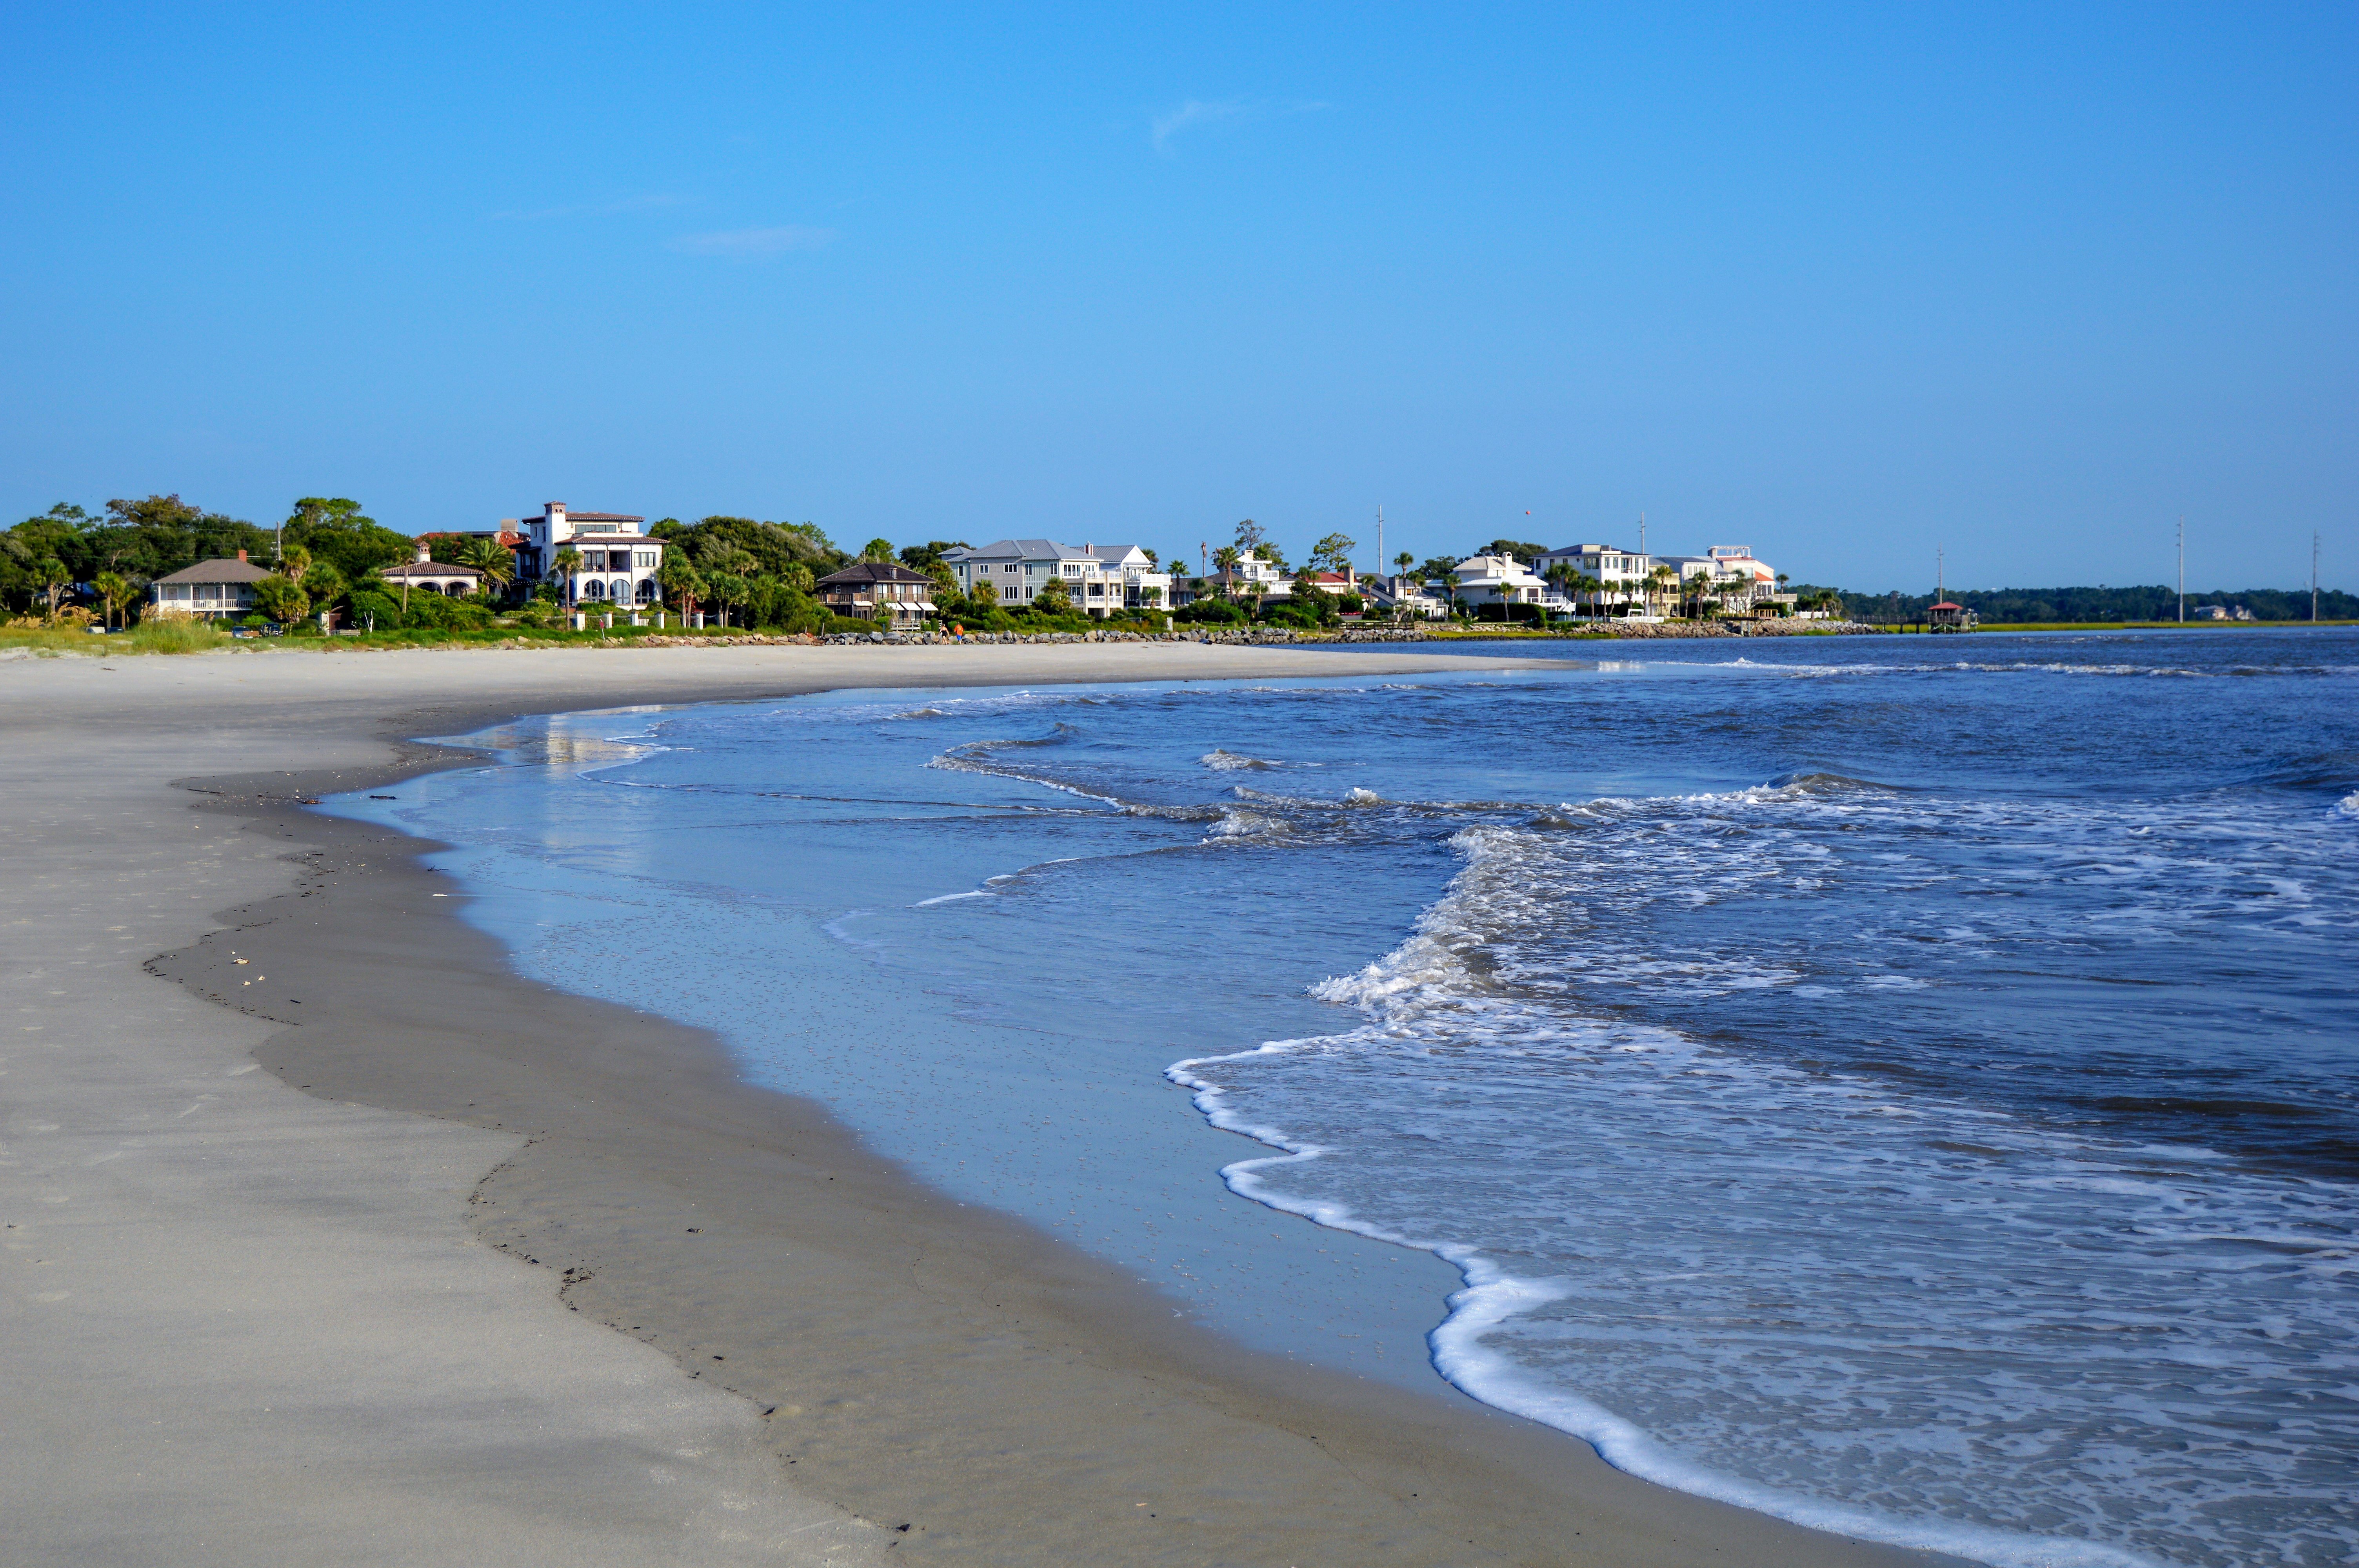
point(1038, 550)
point(225, 569)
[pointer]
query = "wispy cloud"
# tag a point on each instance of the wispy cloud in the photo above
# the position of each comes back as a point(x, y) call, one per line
point(748, 243)
point(1198, 112)
point(642, 203)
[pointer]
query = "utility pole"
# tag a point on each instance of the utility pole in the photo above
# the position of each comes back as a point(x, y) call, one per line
point(1384, 560)
point(2313, 577)
point(2182, 569)
point(1642, 534)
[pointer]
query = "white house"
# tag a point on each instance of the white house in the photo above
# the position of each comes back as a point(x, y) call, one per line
point(1623, 572)
point(1727, 574)
point(1405, 595)
point(221, 587)
point(1735, 562)
point(1251, 577)
point(1099, 578)
point(430, 576)
point(618, 565)
point(1497, 580)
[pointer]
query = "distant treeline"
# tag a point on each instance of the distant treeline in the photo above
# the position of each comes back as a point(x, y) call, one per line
point(2158, 603)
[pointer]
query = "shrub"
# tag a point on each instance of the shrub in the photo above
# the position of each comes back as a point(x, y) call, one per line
point(1302, 614)
point(446, 614)
point(367, 603)
point(1217, 611)
point(280, 599)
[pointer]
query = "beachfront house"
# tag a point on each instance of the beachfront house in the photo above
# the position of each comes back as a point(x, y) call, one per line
point(618, 559)
point(1745, 578)
point(220, 587)
point(878, 590)
point(1726, 576)
point(1251, 577)
point(1498, 581)
point(425, 574)
point(1623, 573)
point(1404, 598)
point(1099, 578)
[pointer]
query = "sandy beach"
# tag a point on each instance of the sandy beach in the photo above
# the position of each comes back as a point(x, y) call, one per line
point(469, 1270)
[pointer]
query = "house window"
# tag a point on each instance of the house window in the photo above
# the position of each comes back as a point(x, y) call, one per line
point(593, 588)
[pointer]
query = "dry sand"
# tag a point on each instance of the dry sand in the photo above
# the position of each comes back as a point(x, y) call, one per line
point(249, 1317)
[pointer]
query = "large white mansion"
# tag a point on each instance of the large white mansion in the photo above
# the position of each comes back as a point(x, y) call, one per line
point(1098, 578)
point(618, 564)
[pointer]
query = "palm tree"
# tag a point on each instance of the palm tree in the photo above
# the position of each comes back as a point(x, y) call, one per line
point(1594, 588)
point(726, 590)
point(50, 577)
point(492, 558)
point(677, 576)
point(112, 590)
point(1658, 583)
point(728, 570)
point(564, 563)
point(1567, 579)
point(1227, 558)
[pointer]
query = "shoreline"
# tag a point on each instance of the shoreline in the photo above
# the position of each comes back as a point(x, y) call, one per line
point(917, 1363)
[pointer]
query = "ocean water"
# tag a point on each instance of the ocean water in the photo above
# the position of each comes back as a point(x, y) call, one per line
point(1902, 1085)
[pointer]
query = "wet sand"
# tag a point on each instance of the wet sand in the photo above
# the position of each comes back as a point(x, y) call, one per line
point(678, 1264)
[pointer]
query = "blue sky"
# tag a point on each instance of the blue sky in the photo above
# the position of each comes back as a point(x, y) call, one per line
point(1841, 284)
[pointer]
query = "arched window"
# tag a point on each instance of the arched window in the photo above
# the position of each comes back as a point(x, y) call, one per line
point(593, 588)
point(646, 591)
point(455, 590)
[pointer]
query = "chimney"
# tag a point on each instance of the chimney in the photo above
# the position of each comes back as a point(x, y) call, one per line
point(425, 552)
point(241, 555)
